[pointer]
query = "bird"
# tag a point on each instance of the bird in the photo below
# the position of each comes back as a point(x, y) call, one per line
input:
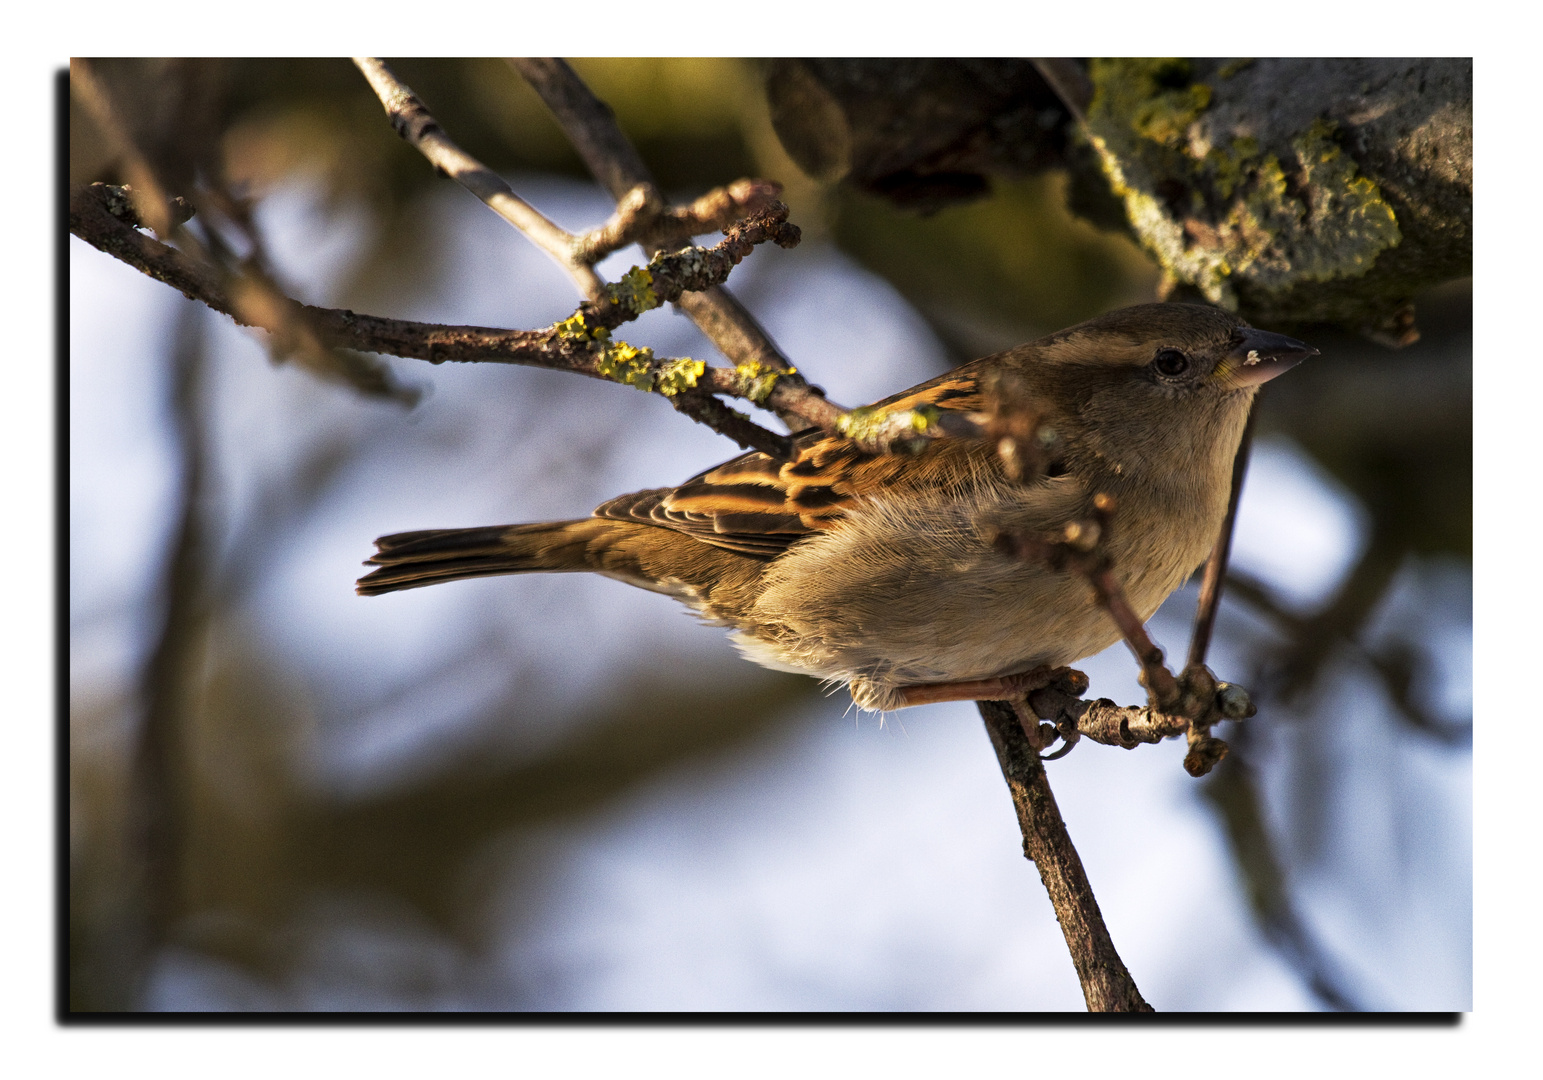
point(883, 572)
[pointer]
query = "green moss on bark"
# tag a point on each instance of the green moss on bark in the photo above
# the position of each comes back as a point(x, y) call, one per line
point(1234, 216)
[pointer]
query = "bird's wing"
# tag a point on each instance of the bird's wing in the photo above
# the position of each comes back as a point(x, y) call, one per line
point(757, 505)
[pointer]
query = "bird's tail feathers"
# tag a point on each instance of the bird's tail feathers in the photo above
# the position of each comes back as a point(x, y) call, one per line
point(413, 559)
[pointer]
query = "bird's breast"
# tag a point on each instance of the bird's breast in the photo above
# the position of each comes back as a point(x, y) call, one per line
point(911, 589)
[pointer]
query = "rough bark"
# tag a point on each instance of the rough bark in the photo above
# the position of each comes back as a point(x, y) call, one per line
point(1289, 190)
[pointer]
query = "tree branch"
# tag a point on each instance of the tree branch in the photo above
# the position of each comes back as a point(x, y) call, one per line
point(761, 374)
point(150, 199)
point(580, 344)
point(248, 282)
point(1126, 726)
point(591, 126)
point(412, 120)
point(1106, 984)
point(641, 210)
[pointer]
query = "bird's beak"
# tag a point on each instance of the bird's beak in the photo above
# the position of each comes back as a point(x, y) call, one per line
point(1257, 356)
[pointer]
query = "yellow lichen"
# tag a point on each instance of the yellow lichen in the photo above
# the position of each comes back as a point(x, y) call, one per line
point(923, 418)
point(861, 423)
point(678, 376)
point(574, 328)
point(757, 379)
point(634, 292)
point(1228, 165)
point(1166, 117)
point(881, 430)
point(628, 364)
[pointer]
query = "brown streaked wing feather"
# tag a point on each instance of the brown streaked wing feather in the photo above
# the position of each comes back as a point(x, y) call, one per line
point(957, 390)
point(654, 508)
point(756, 505)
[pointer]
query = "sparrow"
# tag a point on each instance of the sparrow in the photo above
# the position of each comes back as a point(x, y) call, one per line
point(882, 572)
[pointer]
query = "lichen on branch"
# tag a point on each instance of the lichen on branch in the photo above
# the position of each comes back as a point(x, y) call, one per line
point(1222, 214)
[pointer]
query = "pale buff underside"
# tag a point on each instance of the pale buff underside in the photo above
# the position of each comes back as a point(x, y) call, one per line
point(849, 605)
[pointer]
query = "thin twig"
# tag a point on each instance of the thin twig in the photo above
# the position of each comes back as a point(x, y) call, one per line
point(592, 127)
point(415, 124)
point(640, 211)
point(1106, 983)
point(1070, 83)
point(611, 158)
point(636, 212)
point(709, 411)
point(667, 276)
point(1105, 722)
point(1126, 726)
point(249, 282)
point(721, 206)
point(107, 217)
point(588, 122)
point(1216, 565)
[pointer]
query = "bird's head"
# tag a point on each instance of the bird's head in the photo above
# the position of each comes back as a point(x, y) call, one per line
point(1158, 388)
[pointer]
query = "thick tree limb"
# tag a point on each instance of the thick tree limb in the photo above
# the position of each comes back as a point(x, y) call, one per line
point(1287, 189)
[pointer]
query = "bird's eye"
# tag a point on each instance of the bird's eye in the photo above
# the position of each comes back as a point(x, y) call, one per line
point(1170, 362)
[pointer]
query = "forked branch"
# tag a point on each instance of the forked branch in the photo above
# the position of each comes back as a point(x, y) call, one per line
point(417, 126)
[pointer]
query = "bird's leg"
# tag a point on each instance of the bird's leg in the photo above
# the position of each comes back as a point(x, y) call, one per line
point(1002, 688)
point(1012, 689)
point(1039, 735)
